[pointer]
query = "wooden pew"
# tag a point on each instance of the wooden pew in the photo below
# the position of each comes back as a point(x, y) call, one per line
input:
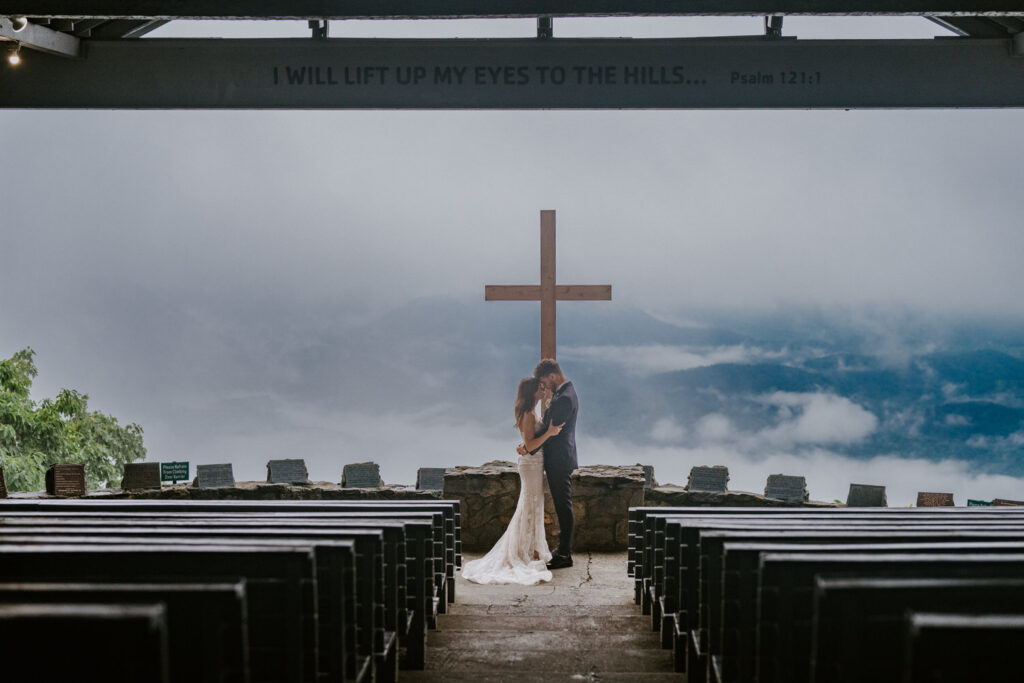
point(347, 641)
point(51, 643)
point(408, 583)
point(706, 635)
point(418, 540)
point(448, 541)
point(410, 622)
point(280, 587)
point(781, 648)
point(641, 542)
point(859, 624)
point(672, 532)
point(684, 531)
point(963, 647)
point(651, 553)
point(206, 621)
point(686, 573)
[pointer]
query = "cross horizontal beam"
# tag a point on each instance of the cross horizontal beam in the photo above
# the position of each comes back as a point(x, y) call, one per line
point(420, 9)
point(586, 73)
point(562, 292)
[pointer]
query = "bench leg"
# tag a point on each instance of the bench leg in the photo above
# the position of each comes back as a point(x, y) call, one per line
point(696, 661)
point(416, 643)
point(679, 643)
point(386, 669)
point(668, 626)
point(655, 609)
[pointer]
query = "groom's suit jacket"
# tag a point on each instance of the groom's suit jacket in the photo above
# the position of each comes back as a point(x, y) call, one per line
point(560, 450)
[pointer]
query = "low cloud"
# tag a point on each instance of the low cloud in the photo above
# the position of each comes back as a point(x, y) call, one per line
point(715, 428)
point(652, 359)
point(817, 418)
point(804, 419)
point(667, 430)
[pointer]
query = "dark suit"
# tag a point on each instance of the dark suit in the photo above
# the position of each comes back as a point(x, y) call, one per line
point(560, 461)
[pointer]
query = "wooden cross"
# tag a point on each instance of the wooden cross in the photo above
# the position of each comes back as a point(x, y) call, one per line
point(547, 292)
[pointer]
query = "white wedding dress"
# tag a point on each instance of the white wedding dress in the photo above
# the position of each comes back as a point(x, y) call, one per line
point(521, 555)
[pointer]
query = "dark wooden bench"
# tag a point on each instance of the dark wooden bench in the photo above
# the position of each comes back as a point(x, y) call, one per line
point(678, 574)
point(448, 539)
point(781, 645)
point(420, 588)
point(963, 647)
point(658, 546)
point(859, 624)
point(642, 542)
point(414, 584)
point(705, 634)
point(682, 596)
point(640, 534)
point(206, 623)
point(408, 580)
point(349, 612)
point(669, 559)
point(116, 643)
point(280, 587)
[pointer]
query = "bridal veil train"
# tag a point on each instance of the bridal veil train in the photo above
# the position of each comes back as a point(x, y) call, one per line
point(520, 556)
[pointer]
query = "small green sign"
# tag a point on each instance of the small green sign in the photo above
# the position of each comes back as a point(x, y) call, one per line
point(971, 503)
point(174, 471)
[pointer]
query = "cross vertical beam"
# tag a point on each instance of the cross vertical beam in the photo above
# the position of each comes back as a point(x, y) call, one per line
point(548, 291)
point(547, 284)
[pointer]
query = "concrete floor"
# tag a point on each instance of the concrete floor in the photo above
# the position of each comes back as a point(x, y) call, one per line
point(583, 626)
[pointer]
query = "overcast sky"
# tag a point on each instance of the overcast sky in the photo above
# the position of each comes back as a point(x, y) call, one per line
point(112, 218)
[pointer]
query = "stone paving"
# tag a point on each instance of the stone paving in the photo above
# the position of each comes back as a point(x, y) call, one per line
point(583, 626)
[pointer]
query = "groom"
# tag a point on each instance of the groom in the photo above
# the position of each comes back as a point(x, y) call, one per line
point(560, 454)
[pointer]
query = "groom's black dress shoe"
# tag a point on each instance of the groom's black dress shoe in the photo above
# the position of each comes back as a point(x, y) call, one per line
point(559, 562)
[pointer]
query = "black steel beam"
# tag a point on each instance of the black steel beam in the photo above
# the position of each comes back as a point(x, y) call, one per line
point(981, 27)
point(390, 9)
point(523, 73)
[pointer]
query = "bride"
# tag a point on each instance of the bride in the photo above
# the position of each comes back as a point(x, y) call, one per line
point(521, 554)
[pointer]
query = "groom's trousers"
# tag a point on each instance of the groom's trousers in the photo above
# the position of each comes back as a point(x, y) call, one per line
point(560, 485)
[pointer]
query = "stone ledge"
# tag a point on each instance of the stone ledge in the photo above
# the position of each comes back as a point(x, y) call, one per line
point(678, 496)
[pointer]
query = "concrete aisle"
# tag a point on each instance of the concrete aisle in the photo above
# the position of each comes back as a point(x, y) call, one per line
point(583, 626)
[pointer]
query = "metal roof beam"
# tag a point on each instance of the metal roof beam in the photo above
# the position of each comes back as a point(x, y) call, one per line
point(125, 28)
point(40, 38)
point(394, 9)
point(978, 27)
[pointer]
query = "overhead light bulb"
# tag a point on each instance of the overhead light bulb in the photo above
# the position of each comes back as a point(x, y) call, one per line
point(18, 23)
point(14, 58)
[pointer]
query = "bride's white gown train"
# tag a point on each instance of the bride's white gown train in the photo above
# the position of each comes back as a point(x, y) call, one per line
point(520, 556)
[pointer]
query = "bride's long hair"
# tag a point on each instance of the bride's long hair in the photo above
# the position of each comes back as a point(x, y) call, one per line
point(525, 397)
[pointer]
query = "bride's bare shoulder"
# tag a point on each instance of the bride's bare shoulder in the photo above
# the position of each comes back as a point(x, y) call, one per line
point(528, 421)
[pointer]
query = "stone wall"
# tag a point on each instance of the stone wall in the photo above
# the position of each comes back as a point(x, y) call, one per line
point(602, 496)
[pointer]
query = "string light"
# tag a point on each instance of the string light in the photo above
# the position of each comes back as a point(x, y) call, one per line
point(14, 56)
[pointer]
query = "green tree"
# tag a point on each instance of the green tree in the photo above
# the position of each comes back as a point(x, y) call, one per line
point(34, 435)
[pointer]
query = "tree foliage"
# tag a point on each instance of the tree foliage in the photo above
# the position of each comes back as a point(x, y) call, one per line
point(34, 435)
